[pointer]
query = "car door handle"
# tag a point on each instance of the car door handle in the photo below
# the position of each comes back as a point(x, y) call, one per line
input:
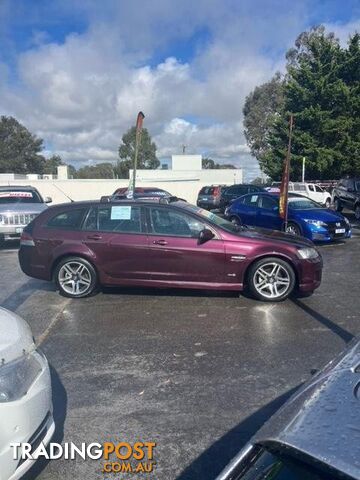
point(160, 242)
point(94, 237)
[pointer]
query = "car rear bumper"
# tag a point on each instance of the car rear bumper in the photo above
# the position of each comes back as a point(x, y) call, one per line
point(29, 265)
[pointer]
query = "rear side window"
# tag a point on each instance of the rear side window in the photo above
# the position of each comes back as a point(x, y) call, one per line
point(71, 219)
point(250, 200)
point(115, 218)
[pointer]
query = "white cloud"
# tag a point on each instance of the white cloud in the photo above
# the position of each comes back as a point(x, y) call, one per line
point(83, 94)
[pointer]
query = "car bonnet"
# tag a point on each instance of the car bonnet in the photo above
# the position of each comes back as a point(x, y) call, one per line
point(322, 419)
point(16, 338)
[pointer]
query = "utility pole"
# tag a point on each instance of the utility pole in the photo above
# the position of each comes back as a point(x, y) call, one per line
point(303, 170)
point(183, 149)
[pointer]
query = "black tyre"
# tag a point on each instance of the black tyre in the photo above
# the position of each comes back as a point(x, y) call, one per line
point(293, 228)
point(357, 212)
point(337, 205)
point(271, 279)
point(235, 220)
point(328, 203)
point(75, 277)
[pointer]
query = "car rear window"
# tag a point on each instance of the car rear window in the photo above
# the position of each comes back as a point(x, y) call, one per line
point(19, 196)
point(70, 219)
point(207, 191)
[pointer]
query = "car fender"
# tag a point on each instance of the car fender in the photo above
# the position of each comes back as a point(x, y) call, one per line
point(75, 250)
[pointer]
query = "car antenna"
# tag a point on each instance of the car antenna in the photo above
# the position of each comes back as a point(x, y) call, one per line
point(67, 196)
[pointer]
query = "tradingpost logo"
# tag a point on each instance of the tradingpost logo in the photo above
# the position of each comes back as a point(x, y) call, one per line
point(121, 457)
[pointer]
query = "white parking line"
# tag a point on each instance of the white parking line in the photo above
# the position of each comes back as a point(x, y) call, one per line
point(53, 322)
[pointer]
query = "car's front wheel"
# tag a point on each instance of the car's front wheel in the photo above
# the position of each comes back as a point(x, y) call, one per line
point(328, 203)
point(337, 205)
point(271, 279)
point(357, 212)
point(75, 277)
point(293, 229)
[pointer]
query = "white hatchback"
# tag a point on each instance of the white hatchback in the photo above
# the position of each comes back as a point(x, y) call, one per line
point(25, 394)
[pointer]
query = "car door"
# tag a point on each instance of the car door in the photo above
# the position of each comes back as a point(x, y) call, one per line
point(116, 234)
point(268, 213)
point(247, 209)
point(175, 254)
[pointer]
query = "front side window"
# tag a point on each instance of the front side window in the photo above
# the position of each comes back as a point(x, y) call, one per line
point(165, 221)
point(318, 189)
point(71, 219)
point(117, 218)
point(268, 203)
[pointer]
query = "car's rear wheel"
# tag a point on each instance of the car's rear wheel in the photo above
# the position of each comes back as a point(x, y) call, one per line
point(357, 212)
point(293, 229)
point(235, 220)
point(75, 277)
point(337, 205)
point(271, 279)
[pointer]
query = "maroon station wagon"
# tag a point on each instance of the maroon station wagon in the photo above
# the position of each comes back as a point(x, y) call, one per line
point(163, 243)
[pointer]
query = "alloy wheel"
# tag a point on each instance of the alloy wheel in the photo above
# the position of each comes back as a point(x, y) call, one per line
point(292, 229)
point(271, 280)
point(75, 278)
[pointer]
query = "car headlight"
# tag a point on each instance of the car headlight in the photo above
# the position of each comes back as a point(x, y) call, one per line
point(345, 218)
point(317, 223)
point(226, 212)
point(17, 377)
point(308, 253)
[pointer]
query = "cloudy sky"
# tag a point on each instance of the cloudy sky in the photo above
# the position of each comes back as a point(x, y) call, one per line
point(76, 72)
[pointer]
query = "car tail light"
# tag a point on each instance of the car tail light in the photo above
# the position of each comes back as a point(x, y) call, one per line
point(26, 239)
point(217, 192)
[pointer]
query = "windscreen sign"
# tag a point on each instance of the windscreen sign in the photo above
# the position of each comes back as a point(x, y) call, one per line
point(16, 195)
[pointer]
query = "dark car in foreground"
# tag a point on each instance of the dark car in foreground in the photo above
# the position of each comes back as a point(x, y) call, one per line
point(315, 435)
point(346, 194)
point(162, 244)
point(233, 192)
point(209, 196)
point(305, 217)
point(19, 205)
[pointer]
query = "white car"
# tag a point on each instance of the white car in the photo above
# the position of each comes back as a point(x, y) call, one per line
point(25, 394)
point(313, 191)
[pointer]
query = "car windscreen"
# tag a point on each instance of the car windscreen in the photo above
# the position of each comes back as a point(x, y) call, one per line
point(303, 203)
point(207, 191)
point(19, 196)
point(275, 465)
point(214, 219)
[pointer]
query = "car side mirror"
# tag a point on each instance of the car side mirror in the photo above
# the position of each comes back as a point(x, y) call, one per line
point(205, 235)
point(48, 199)
point(275, 209)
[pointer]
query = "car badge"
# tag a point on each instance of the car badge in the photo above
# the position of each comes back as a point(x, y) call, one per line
point(338, 224)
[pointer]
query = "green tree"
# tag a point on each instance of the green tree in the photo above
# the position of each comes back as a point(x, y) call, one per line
point(210, 164)
point(321, 88)
point(20, 151)
point(147, 158)
point(261, 108)
point(51, 164)
point(100, 170)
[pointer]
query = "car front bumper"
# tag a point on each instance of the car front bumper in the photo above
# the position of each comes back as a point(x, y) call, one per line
point(310, 274)
point(10, 232)
point(27, 420)
point(325, 234)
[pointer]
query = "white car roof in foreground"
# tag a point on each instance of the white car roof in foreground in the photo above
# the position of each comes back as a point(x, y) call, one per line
point(15, 337)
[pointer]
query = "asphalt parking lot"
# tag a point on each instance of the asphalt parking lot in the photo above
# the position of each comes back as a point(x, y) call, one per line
point(195, 372)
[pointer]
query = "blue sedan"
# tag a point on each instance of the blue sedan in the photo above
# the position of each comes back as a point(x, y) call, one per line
point(305, 217)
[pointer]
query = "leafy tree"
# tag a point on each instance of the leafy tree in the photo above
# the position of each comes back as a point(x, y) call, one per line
point(146, 156)
point(260, 111)
point(19, 149)
point(100, 170)
point(51, 164)
point(210, 164)
point(321, 89)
